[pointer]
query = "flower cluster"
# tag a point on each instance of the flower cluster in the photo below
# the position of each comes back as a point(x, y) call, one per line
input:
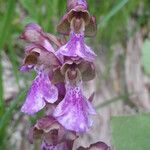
point(61, 72)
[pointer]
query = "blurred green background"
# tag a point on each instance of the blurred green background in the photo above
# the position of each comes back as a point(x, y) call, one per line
point(118, 21)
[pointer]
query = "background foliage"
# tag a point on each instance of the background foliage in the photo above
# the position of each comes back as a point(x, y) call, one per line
point(113, 22)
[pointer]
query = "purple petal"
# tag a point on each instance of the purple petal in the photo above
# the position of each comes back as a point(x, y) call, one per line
point(34, 33)
point(74, 110)
point(76, 48)
point(25, 68)
point(40, 91)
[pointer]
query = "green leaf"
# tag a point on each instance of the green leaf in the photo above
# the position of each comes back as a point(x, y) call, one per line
point(112, 12)
point(6, 22)
point(7, 116)
point(146, 56)
point(4, 33)
point(131, 132)
point(30, 7)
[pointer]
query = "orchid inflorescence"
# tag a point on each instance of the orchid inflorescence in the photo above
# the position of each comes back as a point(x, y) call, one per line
point(57, 87)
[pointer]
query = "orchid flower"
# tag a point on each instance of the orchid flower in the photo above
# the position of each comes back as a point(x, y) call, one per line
point(58, 85)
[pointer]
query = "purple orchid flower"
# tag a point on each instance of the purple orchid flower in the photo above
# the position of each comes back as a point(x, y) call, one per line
point(74, 111)
point(77, 9)
point(76, 47)
point(42, 59)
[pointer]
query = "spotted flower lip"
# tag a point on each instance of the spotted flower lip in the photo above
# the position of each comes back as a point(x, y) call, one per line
point(76, 47)
point(74, 111)
point(77, 9)
point(40, 93)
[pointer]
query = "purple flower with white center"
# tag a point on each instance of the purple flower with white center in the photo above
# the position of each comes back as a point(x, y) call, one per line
point(74, 111)
point(40, 93)
point(76, 47)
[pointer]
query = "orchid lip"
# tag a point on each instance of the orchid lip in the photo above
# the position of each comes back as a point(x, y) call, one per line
point(40, 92)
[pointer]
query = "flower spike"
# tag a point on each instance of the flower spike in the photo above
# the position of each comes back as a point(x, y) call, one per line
point(58, 86)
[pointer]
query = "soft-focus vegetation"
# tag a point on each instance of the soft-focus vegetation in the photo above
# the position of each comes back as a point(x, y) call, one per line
point(113, 21)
